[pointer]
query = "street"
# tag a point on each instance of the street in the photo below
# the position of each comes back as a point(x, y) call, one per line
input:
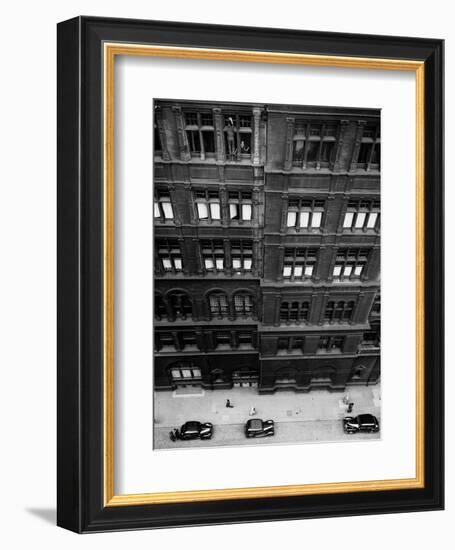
point(310, 417)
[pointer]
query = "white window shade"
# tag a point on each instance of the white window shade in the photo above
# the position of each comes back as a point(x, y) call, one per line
point(236, 263)
point(347, 270)
point(202, 211)
point(304, 219)
point(178, 263)
point(316, 219)
point(309, 270)
point(247, 263)
point(372, 218)
point(167, 209)
point(292, 216)
point(167, 263)
point(215, 210)
point(234, 211)
point(156, 210)
point(219, 263)
point(208, 262)
point(246, 211)
point(337, 271)
point(349, 216)
point(360, 220)
point(298, 270)
point(358, 270)
point(287, 271)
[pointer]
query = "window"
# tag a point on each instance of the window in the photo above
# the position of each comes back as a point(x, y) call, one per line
point(331, 343)
point(188, 341)
point(292, 344)
point(294, 312)
point(362, 214)
point(200, 134)
point(245, 339)
point(339, 312)
point(223, 339)
point(169, 255)
point(376, 308)
point(163, 206)
point(164, 341)
point(157, 140)
point(371, 338)
point(218, 305)
point(370, 148)
point(184, 371)
point(237, 135)
point(242, 255)
point(299, 263)
point(243, 304)
point(207, 205)
point(305, 214)
point(160, 307)
point(213, 255)
point(314, 144)
point(181, 305)
point(350, 263)
point(240, 205)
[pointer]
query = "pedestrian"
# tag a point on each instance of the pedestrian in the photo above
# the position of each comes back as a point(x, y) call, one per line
point(350, 407)
point(228, 404)
point(252, 411)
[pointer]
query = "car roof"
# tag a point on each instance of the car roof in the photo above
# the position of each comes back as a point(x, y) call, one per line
point(366, 419)
point(192, 426)
point(255, 424)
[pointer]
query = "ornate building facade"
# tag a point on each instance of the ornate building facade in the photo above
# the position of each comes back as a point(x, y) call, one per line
point(267, 246)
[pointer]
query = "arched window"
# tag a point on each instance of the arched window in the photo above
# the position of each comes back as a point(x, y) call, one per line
point(181, 305)
point(323, 374)
point(160, 307)
point(243, 304)
point(218, 304)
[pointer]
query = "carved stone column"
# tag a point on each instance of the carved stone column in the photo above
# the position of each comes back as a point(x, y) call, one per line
point(184, 149)
point(256, 135)
point(160, 124)
point(219, 134)
point(289, 143)
point(340, 142)
point(356, 149)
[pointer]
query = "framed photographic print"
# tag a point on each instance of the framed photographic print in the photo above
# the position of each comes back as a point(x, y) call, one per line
point(250, 274)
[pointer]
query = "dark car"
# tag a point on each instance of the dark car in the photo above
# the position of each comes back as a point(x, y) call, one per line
point(259, 428)
point(196, 430)
point(362, 423)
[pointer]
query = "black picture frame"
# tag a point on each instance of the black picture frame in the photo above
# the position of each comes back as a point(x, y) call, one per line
point(81, 502)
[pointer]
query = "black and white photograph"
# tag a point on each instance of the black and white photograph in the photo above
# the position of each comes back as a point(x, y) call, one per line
point(267, 274)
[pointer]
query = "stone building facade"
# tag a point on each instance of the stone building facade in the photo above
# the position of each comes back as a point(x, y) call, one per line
point(267, 246)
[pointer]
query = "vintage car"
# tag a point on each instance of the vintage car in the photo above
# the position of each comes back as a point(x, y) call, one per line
point(259, 428)
point(196, 430)
point(361, 423)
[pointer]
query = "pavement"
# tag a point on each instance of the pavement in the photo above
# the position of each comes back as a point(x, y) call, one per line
point(299, 417)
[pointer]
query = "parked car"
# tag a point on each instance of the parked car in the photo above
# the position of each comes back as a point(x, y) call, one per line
point(196, 430)
point(361, 423)
point(259, 428)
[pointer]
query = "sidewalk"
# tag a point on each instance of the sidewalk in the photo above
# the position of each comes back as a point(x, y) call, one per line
point(173, 408)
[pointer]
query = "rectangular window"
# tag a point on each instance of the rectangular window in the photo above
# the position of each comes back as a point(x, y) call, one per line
point(350, 263)
point(223, 339)
point(169, 255)
point(200, 133)
point(240, 205)
point(163, 206)
point(207, 205)
point(213, 254)
point(304, 213)
point(242, 255)
point(299, 263)
point(369, 157)
point(331, 343)
point(362, 214)
point(314, 144)
point(165, 341)
point(237, 135)
point(339, 312)
point(188, 341)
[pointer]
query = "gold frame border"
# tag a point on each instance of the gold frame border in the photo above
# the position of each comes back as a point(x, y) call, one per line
point(110, 51)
